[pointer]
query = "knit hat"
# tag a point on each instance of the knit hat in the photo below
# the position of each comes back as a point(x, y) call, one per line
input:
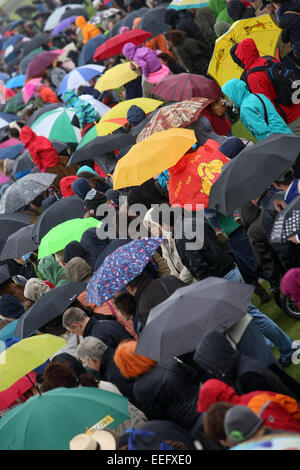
point(66, 185)
point(135, 115)
point(10, 307)
point(131, 364)
point(290, 285)
point(232, 146)
point(78, 270)
point(241, 423)
point(86, 168)
point(81, 187)
point(35, 288)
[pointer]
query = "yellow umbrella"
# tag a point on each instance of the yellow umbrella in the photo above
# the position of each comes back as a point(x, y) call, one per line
point(115, 117)
point(115, 77)
point(24, 356)
point(261, 29)
point(153, 155)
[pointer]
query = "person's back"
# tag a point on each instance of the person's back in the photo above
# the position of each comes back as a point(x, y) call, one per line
point(109, 331)
point(289, 20)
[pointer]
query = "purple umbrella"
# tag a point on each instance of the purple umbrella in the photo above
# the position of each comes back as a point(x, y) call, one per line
point(121, 267)
point(41, 62)
point(63, 25)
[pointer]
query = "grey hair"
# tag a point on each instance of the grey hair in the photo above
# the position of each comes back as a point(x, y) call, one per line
point(91, 347)
point(73, 315)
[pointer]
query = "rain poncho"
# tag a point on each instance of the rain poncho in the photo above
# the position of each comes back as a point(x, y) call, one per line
point(252, 110)
point(85, 112)
point(88, 30)
point(143, 57)
point(52, 271)
point(40, 148)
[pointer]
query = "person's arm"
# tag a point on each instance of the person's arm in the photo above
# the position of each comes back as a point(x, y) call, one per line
point(254, 120)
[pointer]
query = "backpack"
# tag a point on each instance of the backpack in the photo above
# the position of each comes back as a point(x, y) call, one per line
point(282, 79)
point(145, 440)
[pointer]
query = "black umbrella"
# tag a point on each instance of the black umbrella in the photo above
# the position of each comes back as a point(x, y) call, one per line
point(153, 21)
point(286, 223)
point(18, 244)
point(250, 173)
point(41, 111)
point(80, 11)
point(59, 146)
point(10, 223)
point(51, 305)
point(23, 163)
point(65, 209)
point(34, 43)
point(4, 273)
point(128, 20)
point(26, 11)
point(176, 326)
point(99, 146)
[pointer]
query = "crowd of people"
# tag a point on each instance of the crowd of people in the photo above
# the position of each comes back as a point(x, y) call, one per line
point(165, 133)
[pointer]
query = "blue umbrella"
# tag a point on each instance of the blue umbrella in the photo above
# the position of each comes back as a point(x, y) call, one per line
point(88, 50)
point(7, 117)
point(4, 77)
point(79, 76)
point(13, 25)
point(11, 41)
point(63, 25)
point(16, 82)
point(11, 152)
point(121, 267)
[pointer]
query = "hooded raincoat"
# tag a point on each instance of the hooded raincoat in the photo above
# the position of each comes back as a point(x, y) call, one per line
point(52, 271)
point(85, 112)
point(88, 30)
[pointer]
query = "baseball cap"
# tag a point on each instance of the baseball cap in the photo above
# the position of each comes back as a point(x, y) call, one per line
point(241, 423)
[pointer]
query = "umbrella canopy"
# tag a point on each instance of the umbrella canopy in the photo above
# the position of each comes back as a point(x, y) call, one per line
point(11, 152)
point(4, 76)
point(26, 355)
point(26, 10)
point(40, 62)
point(23, 163)
point(30, 88)
point(79, 11)
point(121, 267)
point(47, 307)
point(114, 46)
point(116, 77)
point(9, 396)
point(157, 153)
point(10, 223)
point(9, 143)
point(184, 86)
point(250, 173)
point(58, 237)
point(286, 223)
point(65, 209)
point(127, 21)
point(98, 105)
point(58, 124)
point(273, 442)
point(100, 145)
point(13, 25)
point(41, 111)
point(34, 43)
point(174, 115)
point(67, 412)
point(213, 303)
point(6, 118)
point(79, 76)
point(186, 4)
point(25, 190)
point(153, 21)
point(4, 273)
point(117, 116)
point(16, 82)
point(261, 29)
point(55, 18)
point(88, 50)
point(18, 243)
point(28, 58)
point(63, 25)
point(15, 103)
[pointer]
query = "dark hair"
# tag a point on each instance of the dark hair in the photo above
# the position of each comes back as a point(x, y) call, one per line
point(175, 36)
point(213, 423)
point(59, 374)
point(80, 90)
point(167, 57)
point(54, 327)
point(126, 304)
point(286, 178)
point(88, 380)
point(13, 132)
point(88, 310)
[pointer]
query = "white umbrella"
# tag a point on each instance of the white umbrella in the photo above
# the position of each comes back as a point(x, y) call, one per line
point(55, 17)
point(80, 76)
point(98, 105)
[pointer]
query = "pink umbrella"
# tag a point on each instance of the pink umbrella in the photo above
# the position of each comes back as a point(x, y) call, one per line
point(9, 396)
point(30, 88)
point(3, 179)
point(9, 143)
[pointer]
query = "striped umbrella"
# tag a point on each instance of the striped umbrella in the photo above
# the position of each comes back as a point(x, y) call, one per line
point(79, 76)
point(58, 124)
point(185, 4)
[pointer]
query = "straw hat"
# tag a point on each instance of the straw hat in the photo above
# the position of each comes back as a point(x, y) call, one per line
point(99, 440)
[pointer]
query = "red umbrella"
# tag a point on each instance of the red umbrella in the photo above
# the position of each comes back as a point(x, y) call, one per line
point(115, 45)
point(9, 396)
point(41, 62)
point(183, 86)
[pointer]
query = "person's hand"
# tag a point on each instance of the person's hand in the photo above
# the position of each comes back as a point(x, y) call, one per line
point(279, 204)
point(294, 239)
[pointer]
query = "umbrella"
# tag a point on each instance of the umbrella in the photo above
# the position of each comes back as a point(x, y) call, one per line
point(34, 43)
point(114, 46)
point(250, 173)
point(110, 121)
point(49, 421)
point(10, 223)
point(98, 105)
point(3, 179)
point(18, 243)
point(273, 441)
point(9, 396)
point(261, 29)
point(25, 190)
point(116, 77)
point(90, 135)
point(48, 307)
point(286, 223)
point(40, 62)
point(12, 40)
point(130, 17)
point(88, 50)
point(41, 111)
point(15, 103)
point(100, 145)
point(79, 11)
point(187, 85)
point(57, 15)
point(213, 303)
point(5, 94)
point(9, 143)
point(121, 267)
point(146, 159)
point(80, 76)
point(30, 88)
point(60, 235)
point(174, 115)
point(26, 10)
point(109, 249)
point(185, 4)
point(13, 25)
point(104, 15)
point(6, 118)
point(153, 21)
point(59, 146)
point(23, 163)
point(63, 25)
point(11, 152)
point(58, 124)
point(26, 355)
point(16, 82)
point(62, 210)
point(28, 58)
point(4, 76)
point(4, 273)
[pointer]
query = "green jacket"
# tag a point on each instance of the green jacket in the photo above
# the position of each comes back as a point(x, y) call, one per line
point(52, 271)
point(219, 7)
point(227, 223)
point(205, 20)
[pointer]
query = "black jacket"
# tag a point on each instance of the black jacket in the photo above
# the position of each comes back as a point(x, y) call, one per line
point(168, 392)
point(110, 332)
point(238, 11)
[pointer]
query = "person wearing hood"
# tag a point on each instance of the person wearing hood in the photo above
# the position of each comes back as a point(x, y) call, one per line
point(81, 187)
point(52, 271)
point(256, 111)
point(288, 15)
point(35, 288)
point(240, 9)
point(246, 55)
point(219, 7)
point(85, 112)
point(185, 24)
point(135, 115)
point(88, 30)
point(290, 285)
point(66, 185)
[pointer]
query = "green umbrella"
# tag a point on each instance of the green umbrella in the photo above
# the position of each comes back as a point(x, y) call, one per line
point(15, 103)
point(90, 135)
point(58, 124)
point(58, 237)
point(49, 421)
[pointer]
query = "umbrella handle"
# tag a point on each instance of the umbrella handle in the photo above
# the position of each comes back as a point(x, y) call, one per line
point(35, 386)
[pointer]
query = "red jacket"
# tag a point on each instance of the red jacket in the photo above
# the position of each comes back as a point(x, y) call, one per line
point(259, 82)
point(278, 411)
point(40, 148)
point(65, 185)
